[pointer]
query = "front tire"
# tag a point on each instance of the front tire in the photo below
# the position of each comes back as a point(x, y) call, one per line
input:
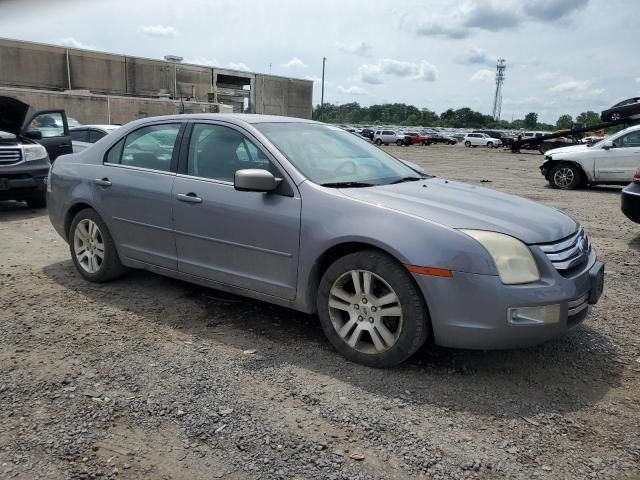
point(467, 144)
point(489, 144)
point(565, 177)
point(371, 310)
point(378, 142)
point(92, 248)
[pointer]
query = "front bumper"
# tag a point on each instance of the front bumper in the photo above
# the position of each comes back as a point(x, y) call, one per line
point(630, 202)
point(24, 180)
point(473, 311)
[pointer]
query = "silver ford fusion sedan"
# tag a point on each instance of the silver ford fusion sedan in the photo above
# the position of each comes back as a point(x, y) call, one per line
point(306, 215)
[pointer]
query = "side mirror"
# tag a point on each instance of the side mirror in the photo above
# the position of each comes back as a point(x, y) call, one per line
point(255, 180)
point(32, 134)
point(608, 144)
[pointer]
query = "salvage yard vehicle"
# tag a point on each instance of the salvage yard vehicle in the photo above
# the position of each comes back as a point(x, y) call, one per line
point(629, 108)
point(84, 136)
point(30, 142)
point(388, 137)
point(439, 138)
point(481, 139)
point(630, 199)
point(611, 161)
point(307, 216)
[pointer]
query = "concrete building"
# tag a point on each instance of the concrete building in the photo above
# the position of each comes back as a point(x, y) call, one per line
point(96, 87)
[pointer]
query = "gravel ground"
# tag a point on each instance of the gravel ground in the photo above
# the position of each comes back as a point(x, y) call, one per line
point(148, 377)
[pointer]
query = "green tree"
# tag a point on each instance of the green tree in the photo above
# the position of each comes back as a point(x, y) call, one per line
point(589, 117)
point(531, 120)
point(565, 121)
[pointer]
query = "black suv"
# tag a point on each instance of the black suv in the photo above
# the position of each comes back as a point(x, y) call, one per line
point(29, 142)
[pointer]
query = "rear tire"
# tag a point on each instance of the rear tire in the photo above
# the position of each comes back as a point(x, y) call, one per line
point(92, 248)
point(616, 116)
point(399, 143)
point(352, 316)
point(566, 177)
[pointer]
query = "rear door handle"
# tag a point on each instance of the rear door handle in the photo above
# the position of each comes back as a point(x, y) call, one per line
point(103, 182)
point(189, 198)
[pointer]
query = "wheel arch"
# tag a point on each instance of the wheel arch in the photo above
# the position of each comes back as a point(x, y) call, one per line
point(557, 163)
point(333, 253)
point(71, 212)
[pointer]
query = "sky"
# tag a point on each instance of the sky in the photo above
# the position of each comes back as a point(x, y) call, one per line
point(562, 56)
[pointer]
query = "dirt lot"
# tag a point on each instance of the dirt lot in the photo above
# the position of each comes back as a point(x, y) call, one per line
point(153, 378)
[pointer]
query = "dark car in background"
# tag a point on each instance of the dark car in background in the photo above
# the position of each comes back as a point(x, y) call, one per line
point(367, 133)
point(629, 108)
point(438, 138)
point(29, 142)
point(631, 199)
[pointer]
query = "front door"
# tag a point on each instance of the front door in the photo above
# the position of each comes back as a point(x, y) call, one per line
point(52, 125)
point(244, 239)
point(619, 163)
point(133, 191)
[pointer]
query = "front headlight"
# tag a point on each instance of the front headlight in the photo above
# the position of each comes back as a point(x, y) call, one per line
point(513, 259)
point(33, 152)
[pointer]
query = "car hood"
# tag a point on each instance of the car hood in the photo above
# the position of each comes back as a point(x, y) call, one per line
point(569, 149)
point(459, 205)
point(12, 115)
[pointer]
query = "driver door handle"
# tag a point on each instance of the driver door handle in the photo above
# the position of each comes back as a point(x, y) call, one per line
point(103, 182)
point(189, 197)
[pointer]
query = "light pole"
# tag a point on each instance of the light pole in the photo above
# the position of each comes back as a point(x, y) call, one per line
point(324, 61)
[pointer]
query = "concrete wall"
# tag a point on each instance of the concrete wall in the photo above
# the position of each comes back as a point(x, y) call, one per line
point(283, 96)
point(95, 109)
point(47, 67)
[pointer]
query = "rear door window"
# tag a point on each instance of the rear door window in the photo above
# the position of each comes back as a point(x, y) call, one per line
point(79, 135)
point(95, 135)
point(149, 147)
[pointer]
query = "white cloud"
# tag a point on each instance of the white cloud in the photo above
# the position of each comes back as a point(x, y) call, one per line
point(73, 43)
point(476, 56)
point(166, 31)
point(372, 73)
point(237, 66)
point(571, 86)
point(353, 90)
point(362, 49)
point(208, 62)
point(482, 75)
point(638, 79)
point(295, 62)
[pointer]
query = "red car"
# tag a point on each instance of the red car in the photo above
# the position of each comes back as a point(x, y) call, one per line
point(417, 138)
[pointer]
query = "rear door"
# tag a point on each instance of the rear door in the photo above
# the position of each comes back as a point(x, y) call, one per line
point(246, 239)
point(618, 164)
point(52, 125)
point(133, 191)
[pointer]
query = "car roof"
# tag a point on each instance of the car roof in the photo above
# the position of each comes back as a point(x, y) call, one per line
point(103, 127)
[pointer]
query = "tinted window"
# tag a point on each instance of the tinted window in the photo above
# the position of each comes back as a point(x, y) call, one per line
point(95, 135)
point(148, 147)
point(79, 135)
point(387, 132)
point(217, 152)
point(48, 124)
point(631, 139)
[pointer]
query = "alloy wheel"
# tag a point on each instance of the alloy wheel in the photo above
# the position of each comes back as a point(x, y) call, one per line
point(564, 177)
point(365, 311)
point(88, 245)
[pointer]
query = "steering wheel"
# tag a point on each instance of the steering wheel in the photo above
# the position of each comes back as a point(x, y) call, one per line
point(344, 165)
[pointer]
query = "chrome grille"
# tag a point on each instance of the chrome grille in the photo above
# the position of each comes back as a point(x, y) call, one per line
point(9, 156)
point(568, 252)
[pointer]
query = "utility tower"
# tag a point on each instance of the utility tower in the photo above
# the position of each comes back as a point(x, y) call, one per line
point(497, 100)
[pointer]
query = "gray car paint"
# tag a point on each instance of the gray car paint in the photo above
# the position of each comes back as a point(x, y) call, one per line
point(268, 246)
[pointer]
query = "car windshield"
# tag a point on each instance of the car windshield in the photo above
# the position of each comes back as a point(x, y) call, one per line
point(330, 156)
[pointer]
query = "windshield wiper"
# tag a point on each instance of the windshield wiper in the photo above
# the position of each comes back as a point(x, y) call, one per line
point(347, 184)
point(406, 179)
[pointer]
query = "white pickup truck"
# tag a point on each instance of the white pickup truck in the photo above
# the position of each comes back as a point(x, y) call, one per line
point(611, 161)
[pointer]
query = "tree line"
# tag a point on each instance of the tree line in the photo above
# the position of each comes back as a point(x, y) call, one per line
point(403, 114)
